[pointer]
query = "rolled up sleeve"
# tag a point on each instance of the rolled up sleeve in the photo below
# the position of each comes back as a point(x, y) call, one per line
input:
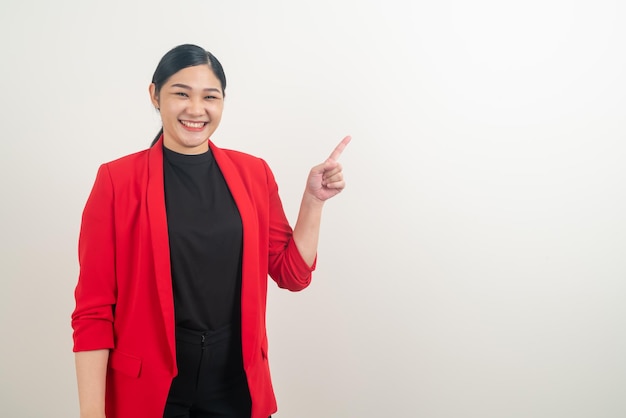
point(95, 293)
point(286, 265)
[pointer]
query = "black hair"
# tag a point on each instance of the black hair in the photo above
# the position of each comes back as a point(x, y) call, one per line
point(181, 57)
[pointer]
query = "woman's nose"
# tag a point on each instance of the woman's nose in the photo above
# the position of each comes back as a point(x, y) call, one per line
point(196, 107)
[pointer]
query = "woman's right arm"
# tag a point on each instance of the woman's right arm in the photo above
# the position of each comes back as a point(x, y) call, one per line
point(91, 369)
point(93, 317)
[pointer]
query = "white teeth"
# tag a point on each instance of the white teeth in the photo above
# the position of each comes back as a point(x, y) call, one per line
point(192, 124)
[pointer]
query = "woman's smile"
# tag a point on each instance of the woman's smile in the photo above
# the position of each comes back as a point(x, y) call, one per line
point(192, 125)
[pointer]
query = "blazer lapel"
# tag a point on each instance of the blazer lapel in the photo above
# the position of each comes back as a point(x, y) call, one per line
point(238, 189)
point(232, 175)
point(157, 217)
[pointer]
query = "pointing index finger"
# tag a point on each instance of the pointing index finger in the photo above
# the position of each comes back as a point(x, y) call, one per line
point(339, 148)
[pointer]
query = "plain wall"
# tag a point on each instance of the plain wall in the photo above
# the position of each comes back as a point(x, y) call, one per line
point(475, 265)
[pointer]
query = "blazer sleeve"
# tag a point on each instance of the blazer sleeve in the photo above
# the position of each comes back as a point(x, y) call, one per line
point(95, 293)
point(286, 266)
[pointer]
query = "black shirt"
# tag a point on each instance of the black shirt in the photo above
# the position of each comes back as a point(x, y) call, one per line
point(205, 236)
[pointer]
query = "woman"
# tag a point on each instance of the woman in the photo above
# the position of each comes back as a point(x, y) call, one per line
point(175, 248)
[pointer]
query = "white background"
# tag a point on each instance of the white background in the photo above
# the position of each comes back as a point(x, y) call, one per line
point(474, 266)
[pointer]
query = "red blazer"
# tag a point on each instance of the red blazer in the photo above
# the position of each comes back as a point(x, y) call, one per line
point(124, 299)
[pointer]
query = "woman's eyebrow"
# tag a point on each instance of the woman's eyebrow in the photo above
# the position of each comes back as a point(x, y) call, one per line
point(186, 87)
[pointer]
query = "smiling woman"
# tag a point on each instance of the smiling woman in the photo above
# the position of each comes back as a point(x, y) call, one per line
point(176, 245)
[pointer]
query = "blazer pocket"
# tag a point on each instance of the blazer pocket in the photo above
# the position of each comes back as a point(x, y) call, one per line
point(125, 363)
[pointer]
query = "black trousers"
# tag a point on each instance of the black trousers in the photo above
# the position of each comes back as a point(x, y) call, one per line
point(211, 382)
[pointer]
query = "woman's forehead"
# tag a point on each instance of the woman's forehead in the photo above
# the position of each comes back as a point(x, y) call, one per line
point(198, 76)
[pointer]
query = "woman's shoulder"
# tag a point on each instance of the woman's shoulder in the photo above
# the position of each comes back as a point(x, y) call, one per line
point(130, 163)
point(240, 155)
point(129, 160)
point(249, 166)
point(241, 159)
point(128, 168)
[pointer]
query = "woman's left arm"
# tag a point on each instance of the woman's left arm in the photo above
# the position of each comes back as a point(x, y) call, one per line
point(325, 181)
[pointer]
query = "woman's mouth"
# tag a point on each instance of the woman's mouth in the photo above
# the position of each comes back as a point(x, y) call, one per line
point(193, 126)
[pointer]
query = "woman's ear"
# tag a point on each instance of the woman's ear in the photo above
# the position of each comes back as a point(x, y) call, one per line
point(153, 97)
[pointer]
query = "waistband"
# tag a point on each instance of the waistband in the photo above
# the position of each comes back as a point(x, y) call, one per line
point(205, 338)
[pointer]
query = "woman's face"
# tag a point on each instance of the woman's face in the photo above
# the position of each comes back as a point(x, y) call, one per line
point(191, 104)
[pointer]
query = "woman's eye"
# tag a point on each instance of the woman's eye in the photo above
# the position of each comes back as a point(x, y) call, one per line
point(181, 94)
point(210, 97)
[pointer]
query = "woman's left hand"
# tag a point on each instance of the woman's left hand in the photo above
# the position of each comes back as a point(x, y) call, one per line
point(326, 179)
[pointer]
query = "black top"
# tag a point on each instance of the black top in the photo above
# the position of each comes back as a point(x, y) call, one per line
point(205, 236)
